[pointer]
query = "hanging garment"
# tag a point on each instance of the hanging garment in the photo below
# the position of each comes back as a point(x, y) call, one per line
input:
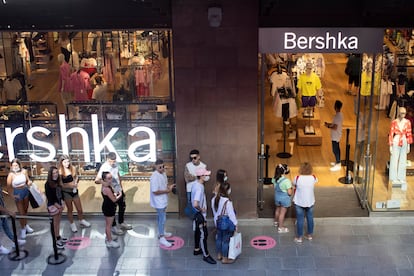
point(366, 78)
point(80, 82)
point(64, 77)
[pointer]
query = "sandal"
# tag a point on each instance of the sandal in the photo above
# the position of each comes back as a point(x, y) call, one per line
point(298, 240)
point(308, 237)
point(282, 230)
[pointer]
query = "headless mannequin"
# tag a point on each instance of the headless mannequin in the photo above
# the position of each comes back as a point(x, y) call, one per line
point(64, 80)
point(309, 85)
point(400, 138)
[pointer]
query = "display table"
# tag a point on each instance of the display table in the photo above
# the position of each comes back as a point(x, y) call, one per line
point(309, 139)
point(314, 121)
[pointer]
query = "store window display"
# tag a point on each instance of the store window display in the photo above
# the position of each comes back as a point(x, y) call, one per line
point(400, 138)
point(308, 86)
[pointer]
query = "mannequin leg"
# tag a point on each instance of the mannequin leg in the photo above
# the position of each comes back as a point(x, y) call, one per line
point(394, 163)
point(402, 162)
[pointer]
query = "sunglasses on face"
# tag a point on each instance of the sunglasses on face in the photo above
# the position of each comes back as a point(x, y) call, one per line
point(194, 157)
point(161, 167)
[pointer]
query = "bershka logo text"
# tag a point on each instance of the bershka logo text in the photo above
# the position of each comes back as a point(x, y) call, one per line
point(327, 42)
point(139, 151)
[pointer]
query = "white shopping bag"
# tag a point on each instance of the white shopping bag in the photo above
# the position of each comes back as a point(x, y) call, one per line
point(235, 246)
point(36, 197)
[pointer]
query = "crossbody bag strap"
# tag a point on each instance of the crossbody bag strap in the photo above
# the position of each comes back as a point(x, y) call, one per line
point(223, 211)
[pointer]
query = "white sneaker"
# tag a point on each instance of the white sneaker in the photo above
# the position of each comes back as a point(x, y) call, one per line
point(73, 227)
point(112, 244)
point(84, 223)
point(4, 250)
point(20, 242)
point(335, 168)
point(29, 229)
point(125, 226)
point(164, 242)
point(23, 233)
point(117, 231)
point(167, 234)
point(332, 164)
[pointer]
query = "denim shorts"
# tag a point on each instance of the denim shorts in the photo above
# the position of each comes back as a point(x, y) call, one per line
point(69, 195)
point(282, 199)
point(21, 193)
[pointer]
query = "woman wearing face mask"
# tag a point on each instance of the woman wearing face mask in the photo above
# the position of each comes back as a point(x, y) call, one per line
point(69, 181)
point(54, 197)
point(221, 204)
point(18, 184)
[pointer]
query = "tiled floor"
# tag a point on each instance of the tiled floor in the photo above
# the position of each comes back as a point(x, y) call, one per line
point(341, 246)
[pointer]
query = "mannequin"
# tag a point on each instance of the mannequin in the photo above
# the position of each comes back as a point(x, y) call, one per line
point(73, 57)
point(64, 80)
point(309, 85)
point(399, 139)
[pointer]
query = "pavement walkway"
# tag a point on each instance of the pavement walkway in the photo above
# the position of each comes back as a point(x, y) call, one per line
point(341, 246)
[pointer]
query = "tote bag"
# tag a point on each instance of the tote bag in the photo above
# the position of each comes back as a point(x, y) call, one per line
point(36, 197)
point(235, 245)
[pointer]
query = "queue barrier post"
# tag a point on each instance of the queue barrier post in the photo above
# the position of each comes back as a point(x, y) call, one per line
point(17, 254)
point(57, 257)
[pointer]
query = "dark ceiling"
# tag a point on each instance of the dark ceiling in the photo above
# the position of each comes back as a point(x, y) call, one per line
point(112, 14)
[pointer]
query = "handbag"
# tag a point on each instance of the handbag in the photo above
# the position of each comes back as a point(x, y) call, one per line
point(36, 198)
point(223, 222)
point(53, 210)
point(235, 245)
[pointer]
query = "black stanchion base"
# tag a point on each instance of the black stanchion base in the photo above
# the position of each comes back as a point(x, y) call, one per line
point(267, 181)
point(345, 180)
point(14, 257)
point(284, 155)
point(55, 260)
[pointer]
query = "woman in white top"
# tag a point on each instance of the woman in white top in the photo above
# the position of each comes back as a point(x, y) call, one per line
point(304, 200)
point(220, 201)
point(18, 184)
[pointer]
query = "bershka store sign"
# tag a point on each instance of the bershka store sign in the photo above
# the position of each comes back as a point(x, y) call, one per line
point(321, 40)
point(135, 152)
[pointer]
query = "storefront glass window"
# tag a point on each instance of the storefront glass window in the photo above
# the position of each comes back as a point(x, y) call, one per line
point(86, 94)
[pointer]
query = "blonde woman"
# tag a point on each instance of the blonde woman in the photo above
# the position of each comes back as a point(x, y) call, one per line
point(69, 181)
point(18, 184)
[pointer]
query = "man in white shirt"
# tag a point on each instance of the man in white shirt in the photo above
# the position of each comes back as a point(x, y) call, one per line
point(190, 176)
point(336, 134)
point(111, 166)
point(199, 203)
point(159, 199)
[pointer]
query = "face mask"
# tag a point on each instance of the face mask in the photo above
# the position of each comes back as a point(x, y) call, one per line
point(16, 170)
point(206, 178)
point(113, 165)
point(55, 178)
point(225, 178)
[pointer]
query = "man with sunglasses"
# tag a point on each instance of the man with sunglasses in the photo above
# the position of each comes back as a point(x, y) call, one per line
point(190, 176)
point(159, 199)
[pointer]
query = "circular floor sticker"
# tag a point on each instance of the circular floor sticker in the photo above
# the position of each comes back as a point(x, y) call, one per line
point(176, 242)
point(76, 243)
point(263, 242)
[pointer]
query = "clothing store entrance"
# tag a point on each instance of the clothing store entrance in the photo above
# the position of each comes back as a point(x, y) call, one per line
point(292, 134)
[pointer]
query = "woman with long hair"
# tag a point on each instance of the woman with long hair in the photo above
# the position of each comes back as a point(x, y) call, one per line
point(54, 198)
point(69, 181)
point(283, 191)
point(222, 204)
point(18, 184)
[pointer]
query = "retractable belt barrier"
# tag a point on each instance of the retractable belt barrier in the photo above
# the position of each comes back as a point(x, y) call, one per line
point(17, 255)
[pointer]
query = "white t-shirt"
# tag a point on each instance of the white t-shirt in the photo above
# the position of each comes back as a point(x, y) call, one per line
point(158, 182)
point(192, 169)
point(336, 134)
point(105, 167)
point(229, 209)
point(197, 193)
point(304, 195)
